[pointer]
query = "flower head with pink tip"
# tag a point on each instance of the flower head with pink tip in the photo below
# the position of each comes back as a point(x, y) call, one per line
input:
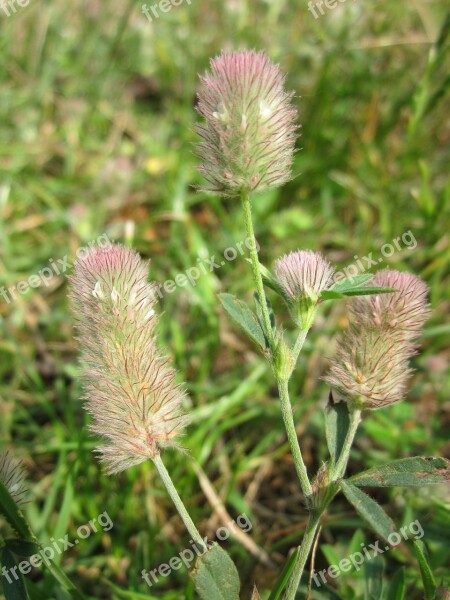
point(130, 389)
point(371, 365)
point(302, 275)
point(404, 311)
point(370, 369)
point(249, 132)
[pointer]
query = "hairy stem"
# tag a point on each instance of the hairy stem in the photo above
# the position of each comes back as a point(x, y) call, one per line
point(299, 344)
point(255, 268)
point(288, 418)
point(193, 532)
point(283, 390)
point(314, 519)
point(305, 549)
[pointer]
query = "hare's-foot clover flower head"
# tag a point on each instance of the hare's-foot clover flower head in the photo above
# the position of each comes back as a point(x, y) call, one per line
point(249, 132)
point(12, 477)
point(371, 363)
point(403, 311)
point(302, 276)
point(370, 368)
point(130, 390)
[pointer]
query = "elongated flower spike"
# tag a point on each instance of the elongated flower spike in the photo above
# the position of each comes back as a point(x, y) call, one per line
point(130, 389)
point(302, 276)
point(249, 132)
point(370, 368)
point(12, 477)
point(404, 311)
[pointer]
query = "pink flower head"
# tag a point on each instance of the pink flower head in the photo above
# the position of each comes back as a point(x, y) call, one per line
point(404, 311)
point(249, 132)
point(303, 273)
point(12, 477)
point(370, 368)
point(371, 364)
point(302, 276)
point(130, 389)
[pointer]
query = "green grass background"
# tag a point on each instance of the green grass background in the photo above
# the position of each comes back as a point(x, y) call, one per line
point(96, 113)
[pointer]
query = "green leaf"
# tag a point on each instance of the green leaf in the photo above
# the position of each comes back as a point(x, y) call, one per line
point(331, 295)
point(59, 575)
point(337, 422)
point(285, 576)
point(34, 591)
point(368, 291)
point(356, 542)
point(369, 510)
point(215, 575)
point(373, 578)
point(331, 553)
point(352, 282)
point(22, 547)
point(129, 595)
point(397, 588)
point(10, 510)
point(353, 286)
point(13, 582)
point(414, 472)
point(64, 511)
point(243, 316)
point(358, 291)
point(428, 581)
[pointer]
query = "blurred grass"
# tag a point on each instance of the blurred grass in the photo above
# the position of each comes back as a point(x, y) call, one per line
point(96, 114)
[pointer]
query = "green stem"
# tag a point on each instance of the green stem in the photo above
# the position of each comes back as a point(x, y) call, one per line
point(305, 549)
point(299, 344)
point(341, 465)
point(286, 409)
point(59, 575)
point(256, 270)
point(314, 520)
point(288, 418)
point(193, 532)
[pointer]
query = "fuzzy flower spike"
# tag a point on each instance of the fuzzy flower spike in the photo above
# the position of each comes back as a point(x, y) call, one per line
point(404, 311)
point(370, 369)
point(130, 389)
point(249, 132)
point(371, 366)
point(302, 276)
